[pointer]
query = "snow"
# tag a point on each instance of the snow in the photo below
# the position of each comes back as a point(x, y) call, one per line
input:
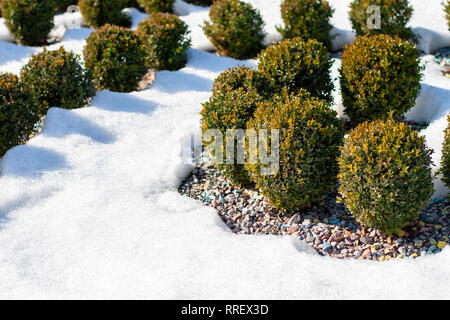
point(89, 207)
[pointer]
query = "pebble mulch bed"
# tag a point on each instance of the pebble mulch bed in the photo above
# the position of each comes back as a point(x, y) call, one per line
point(327, 227)
point(442, 57)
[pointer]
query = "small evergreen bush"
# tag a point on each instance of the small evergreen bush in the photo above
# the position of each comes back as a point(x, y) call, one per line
point(385, 174)
point(236, 29)
point(97, 13)
point(379, 75)
point(307, 19)
point(310, 135)
point(394, 16)
point(17, 113)
point(57, 79)
point(445, 160)
point(152, 6)
point(232, 104)
point(116, 58)
point(294, 64)
point(29, 21)
point(165, 38)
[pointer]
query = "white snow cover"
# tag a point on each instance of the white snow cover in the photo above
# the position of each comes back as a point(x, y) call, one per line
point(89, 207)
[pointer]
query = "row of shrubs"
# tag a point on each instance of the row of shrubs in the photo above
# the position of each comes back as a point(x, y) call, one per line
point(235, 27)
point(115, 57)
point(383, 166)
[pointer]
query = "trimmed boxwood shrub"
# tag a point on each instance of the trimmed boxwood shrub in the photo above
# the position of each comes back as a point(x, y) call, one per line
point(17, 113)
point(385, 174)
point(307, 19)
point(116, 57)
point(445, 160)
point(57, 79)
point(165, 38)
point(310, 135)
point(29, 21)
point(203, 3)
point(379, 74)
point(97, 13)
point(236, 29)
point(294, 64)
point(395, 15)
point(151, 6)
point(231, 105)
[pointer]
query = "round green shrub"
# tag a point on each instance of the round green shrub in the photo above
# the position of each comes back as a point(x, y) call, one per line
point(385, 174)
point(17, 114)
point(445, 160)
point(236, 29)
point(63, 5)
point(165, 39)
point(394, 16)
point(231, 105)
point(29, 21)
point(152, 6)
point(294, 64)
point(307, 19)
point(57, 79)
point(309, 138)
point(203, 3)
point(116, 58)
point(379, 75)
point(97, 13)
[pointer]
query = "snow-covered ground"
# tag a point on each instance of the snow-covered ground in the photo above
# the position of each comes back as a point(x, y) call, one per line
point(89, 208)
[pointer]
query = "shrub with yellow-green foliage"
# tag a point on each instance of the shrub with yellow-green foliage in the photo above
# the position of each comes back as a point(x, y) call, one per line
point(97, 13)
point(385, 174)
point(307, 19)
point(152, 6)
point(29, 21)
point(445, 160)
point(310, 135)
point(57, 79)
point(233, 102)
point(394, 16)
point(294, 64)
point(17, 112)
point(379, 75)
point(165, 38)
point(236, 29)
point(116, 58)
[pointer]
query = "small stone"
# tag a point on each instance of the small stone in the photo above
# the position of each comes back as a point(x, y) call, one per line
point(418, 243)
point(401, 233)
point(357, 254)
point(441, 244)
point(294, 220)
point(366, 253)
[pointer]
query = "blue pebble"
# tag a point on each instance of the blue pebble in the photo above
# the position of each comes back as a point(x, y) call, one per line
point(325, 245)
point(437, 251)
point(207, 199)
point(300, 237)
